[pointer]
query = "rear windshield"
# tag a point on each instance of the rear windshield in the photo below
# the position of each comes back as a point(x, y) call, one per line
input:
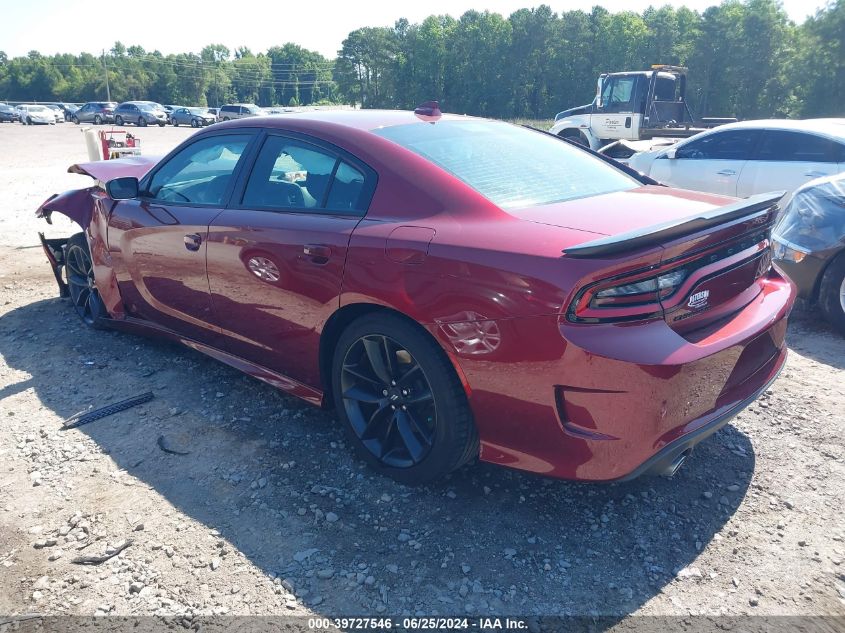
point(511, 166)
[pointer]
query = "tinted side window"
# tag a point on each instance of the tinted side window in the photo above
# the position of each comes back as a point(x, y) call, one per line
point(346, 189)
point(201, 172)
point(728, 145)
point(289, 174)
point(795, 146)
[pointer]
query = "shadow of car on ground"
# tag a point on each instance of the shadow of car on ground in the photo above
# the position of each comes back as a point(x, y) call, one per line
point(267, 471)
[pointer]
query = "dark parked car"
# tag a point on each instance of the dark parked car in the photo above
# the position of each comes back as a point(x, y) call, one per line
point(140, 113)
point(195, 117)
point(809, 243)
point(96, 112)
point(68, 109)
point(454, 287)
point(9, 113)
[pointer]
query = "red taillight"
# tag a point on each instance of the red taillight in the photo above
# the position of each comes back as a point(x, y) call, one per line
point(651, 292)
point(626, 298)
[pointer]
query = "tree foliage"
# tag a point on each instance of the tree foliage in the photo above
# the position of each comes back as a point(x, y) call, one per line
point(745, 59)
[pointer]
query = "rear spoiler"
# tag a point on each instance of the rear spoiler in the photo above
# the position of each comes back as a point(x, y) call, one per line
point(658, 233)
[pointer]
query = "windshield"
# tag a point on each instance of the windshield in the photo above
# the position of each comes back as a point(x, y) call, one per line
point(197, 111)
point(511, 166)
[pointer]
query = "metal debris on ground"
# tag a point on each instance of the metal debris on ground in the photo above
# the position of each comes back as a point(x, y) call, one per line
point(84, 417)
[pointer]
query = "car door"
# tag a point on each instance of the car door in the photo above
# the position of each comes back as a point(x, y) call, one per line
point(786, 159)
point(158, 240)
point(276, 255)
point(615, 118)
point(711, 163)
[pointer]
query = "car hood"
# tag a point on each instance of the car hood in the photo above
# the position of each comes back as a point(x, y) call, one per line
point(105, 170)
point(622, 211)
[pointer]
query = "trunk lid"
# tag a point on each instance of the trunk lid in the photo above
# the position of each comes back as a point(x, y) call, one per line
point(712, 262)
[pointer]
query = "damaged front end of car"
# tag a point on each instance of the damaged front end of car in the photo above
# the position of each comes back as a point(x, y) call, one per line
point(79, 205)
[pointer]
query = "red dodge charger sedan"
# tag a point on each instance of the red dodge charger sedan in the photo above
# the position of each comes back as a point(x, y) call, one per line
point(454, 287)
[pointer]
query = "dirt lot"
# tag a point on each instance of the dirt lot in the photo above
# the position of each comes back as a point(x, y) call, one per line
point(267, 513)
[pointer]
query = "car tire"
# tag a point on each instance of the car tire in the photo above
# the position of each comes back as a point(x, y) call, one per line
point(832, 293)
point(75, 120)
point(174, 122)
point(423, 428)
point(98, 120)
point(161, 124)
point(79, 275)
point(118, 120)
point(225, 118)
point(194, 123)
point(29, 120)
point(142, 122)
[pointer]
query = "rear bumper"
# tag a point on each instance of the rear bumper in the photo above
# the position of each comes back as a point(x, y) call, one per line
point(612, 402)
point(662, 461)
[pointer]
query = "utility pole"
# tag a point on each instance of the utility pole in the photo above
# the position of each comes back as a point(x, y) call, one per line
point(106, 70)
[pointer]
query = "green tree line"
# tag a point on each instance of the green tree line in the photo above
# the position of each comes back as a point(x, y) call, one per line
point(746, 58)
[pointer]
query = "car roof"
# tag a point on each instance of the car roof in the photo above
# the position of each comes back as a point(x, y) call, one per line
point(366, 120)
point(830, 126)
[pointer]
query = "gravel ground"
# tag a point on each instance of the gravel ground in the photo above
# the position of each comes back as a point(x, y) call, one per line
point(264, 511)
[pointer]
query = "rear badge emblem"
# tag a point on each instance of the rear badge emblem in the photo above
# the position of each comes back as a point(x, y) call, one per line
point(698, 300)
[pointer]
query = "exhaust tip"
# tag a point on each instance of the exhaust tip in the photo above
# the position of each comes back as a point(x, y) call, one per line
point(676, 464)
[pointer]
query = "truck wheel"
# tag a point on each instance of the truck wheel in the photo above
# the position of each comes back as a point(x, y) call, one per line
point(832, 293)
point(576, 136)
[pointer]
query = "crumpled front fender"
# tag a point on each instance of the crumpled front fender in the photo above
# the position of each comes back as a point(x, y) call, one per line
point(77, 204)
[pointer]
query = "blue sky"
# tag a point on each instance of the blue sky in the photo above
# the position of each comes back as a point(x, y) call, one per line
point(52, 26)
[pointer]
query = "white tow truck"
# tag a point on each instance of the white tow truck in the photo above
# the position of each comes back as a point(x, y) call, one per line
point(634, 111)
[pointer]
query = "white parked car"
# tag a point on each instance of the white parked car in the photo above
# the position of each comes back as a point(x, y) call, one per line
point(35, 114)
point(743, 159)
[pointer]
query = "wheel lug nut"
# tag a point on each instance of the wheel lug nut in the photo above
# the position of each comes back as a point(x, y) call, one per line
point(393, 383)
point(404, 408)
point(393, 406)
point(384, 393)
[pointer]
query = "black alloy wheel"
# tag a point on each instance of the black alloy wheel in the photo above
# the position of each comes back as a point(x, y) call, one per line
point(98, 120)
point(401, 400)
point(118, 120)
point(389, 401)
point(79, 271)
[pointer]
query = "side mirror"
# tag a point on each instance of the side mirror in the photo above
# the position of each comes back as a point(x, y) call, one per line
point(671, 153)
point(122, 188)
point(599, 89)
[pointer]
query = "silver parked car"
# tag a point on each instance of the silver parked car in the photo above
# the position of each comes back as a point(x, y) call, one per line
point(96, 112)
point(238, 111)
point(57, 112)
point(36, 114)
point(140, 113)
point(195, 117)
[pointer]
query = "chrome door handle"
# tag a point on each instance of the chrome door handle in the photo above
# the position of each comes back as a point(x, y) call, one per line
point(193, 242)
point(726, 172)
